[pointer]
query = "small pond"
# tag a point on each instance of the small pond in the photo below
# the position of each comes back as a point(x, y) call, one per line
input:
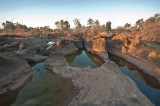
point(147, 84)
point(83, 59)
point(44, 88)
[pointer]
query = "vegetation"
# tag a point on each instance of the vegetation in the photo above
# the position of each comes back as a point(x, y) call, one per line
point(146, 30)
point(19, 29)
point(150, 44)
point(108, 26)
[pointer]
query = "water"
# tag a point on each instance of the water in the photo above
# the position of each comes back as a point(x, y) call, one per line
point(45, 88)
point(84, 59)
point(147, 84)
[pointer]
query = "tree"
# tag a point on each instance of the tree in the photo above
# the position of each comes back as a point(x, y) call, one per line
point(57, 23)
point(90, 22)
point(139, 24)
point(96, 23)
point(78, 26)
point(44, 30)
point(62, 25)
point(9, 26)
point(127, 26)
point(108, 26)
point(66, 25)
point(77, 23)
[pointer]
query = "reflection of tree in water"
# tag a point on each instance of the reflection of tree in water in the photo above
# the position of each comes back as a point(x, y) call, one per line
point(95, 58)
point(71, 57)
point(137, 73)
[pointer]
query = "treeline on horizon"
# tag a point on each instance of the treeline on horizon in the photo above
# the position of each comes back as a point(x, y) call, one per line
point(150, 26)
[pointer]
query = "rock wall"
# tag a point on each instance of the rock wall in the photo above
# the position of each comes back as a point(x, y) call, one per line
point(99, 45)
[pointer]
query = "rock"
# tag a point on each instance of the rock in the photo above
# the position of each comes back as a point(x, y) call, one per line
point(56, 60)
point(99, 45)
point(87, 43)
point(152, 54)
point(102, 86)
point(35, 58)
point(30, 54)
point(63, 43)
point(9, 48)
point(124, 50)
point(154, 57)
point(78, 44)
point(12, 68)
point(21, 46)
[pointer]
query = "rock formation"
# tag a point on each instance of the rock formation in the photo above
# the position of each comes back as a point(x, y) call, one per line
point(99, 45)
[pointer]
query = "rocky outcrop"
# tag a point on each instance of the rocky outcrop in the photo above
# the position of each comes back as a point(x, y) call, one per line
point(154, 56)
point(129, 47)
point(88, 44)
point(99, 49)
point(63, 42)
point(66, 47)
point(99, 45)
point(78, 44)
point(30, 54)
point(13, 71)
point(102, 86)
point(124, 50)
point(56, 60)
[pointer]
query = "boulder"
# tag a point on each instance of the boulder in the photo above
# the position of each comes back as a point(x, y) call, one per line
point(99, 45)
point(56, 60)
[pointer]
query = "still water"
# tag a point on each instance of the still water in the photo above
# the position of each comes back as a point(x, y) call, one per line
point(45, 88)
point(83, 59)
point(147, 84)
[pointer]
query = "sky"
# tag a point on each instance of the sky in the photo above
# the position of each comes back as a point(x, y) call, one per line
point(38, 13)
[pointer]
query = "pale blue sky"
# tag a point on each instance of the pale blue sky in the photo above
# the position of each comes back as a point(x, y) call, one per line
point(37, 13)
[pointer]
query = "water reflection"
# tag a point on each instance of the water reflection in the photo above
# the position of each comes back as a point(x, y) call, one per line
point(147, 84)
point(8, 98)
point(45, 88)
point(82, 59)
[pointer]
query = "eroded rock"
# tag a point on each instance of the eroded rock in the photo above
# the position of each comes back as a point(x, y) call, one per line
point(99, 45)
point(12, 68)
point(30, 54)
point(124, 50)
point(102, 86)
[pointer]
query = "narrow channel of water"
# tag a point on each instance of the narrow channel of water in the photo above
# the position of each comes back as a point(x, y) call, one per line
point(83, 59)
point(147, 84)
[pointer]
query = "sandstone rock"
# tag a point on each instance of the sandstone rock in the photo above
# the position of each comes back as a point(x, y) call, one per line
point(114, 88)
point(63, 43)
point(99, 45)
point(78, 44)
point(88, 45)
point(124, 50)
point(21, 46)
point(30, 54)
point(154, 57)
point(56, 60)
point(12, 68)
point(152, 54)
